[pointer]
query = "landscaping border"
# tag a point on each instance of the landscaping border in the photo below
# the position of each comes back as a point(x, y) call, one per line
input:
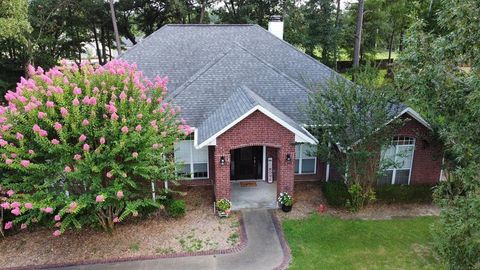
point(287, 256)
point(240, 246)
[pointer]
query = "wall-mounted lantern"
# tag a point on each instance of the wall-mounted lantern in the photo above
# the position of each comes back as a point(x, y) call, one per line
point(289, 158)
point(222, 160)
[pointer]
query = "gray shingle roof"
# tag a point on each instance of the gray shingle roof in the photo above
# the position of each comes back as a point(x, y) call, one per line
point(241, 101)
point(205, 63)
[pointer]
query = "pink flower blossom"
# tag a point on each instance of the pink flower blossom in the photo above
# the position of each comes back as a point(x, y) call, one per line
point(36, 128)
point(100, 198)
point(57, 233)
point(77, 157)
point(119, 194)
point(93, 101)
point(23, 226)
point(41, 115)
point(124, 130)
point(109, 174)
point(116, 220)
point(50, 104)
point(73, 206)
point(25, 163)
point(134, 154)
point(57, 218)
point(67, 169)
point(114, 116)
point(55, 141)
point(85, 122)
point(123, 96)
point(86, 147)
point(16, 211)
point(139, 116)
point(77, 91)
point(155, 146)
point(138, 128)
point(8, 225)
point(15, 205)
point(102, 140)
point(57, 126)
point(13, 155)
point(10, 193)
point(6, 127)
point(43, 133)
point(28, 205)
point(75, 102)
point(8, 161)
point(64, 112)
point(5, 205)
point(31, 152)
point(3, 143)
point(47, 210)
point(19, 136)
point(82, 138)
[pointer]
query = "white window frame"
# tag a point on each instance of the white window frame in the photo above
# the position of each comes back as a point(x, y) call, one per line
point(191, 163)
point(300, 159)
point(397, 146)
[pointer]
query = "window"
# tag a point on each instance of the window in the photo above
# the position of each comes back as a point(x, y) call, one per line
point(305, 159)
point(398, 159)
point(194, 161)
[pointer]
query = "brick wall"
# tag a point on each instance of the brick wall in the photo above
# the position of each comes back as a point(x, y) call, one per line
point(427, 158)
point(255, 130)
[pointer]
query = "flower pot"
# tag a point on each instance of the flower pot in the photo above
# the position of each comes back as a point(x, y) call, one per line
point(225, 213)
point(286, 208)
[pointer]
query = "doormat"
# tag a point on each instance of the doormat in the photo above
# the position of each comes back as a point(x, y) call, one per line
point(248, 184)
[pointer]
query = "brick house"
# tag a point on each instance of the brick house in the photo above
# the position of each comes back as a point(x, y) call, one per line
point(241, 88)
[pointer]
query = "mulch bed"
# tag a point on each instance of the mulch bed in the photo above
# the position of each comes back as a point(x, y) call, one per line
point(308, 196)
point(199, 231)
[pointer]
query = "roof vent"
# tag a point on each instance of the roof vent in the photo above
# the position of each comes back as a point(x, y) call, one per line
point(275, 26)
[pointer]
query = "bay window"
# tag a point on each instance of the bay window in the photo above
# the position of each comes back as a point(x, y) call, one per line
point(398, 160)
point(305, 159)
point(194, 161)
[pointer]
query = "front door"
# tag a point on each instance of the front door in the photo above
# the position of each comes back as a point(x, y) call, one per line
point(247, 163)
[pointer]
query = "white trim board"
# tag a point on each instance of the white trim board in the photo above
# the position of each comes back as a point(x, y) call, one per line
point(299, 136)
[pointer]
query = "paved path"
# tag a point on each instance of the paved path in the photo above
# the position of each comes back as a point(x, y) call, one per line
point(263, 251)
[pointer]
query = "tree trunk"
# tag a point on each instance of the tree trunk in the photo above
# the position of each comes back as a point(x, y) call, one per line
point(202, 10)
point(390, 46)
point(358, 34)
point(337, 30)
point(115, 29)
point(103, 41)
point(95, 37)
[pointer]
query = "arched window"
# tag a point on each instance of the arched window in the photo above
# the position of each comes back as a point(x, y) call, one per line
point(397, 160)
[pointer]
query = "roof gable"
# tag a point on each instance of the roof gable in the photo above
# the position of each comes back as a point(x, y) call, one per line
point(242, 103)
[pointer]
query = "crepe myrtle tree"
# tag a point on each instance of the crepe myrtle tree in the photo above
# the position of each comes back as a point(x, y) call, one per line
point(349, 121)
point(80, 145)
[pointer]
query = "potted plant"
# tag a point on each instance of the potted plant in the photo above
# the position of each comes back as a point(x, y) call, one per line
point(224, 207)
point(286, 201)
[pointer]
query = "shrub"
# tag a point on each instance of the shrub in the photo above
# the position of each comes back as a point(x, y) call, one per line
point(285, 199)
point(359, 197)
point(177, 209)
point(404, 193)
point(223, 205)
point(336, 193)
point(82, 144)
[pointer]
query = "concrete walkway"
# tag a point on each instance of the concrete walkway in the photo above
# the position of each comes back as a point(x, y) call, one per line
point(261, 195)
point(263, 251)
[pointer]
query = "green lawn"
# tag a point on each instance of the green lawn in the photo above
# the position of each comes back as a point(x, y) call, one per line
point(322, 242)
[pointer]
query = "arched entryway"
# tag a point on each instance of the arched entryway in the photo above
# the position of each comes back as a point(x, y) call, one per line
point(253, 176)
